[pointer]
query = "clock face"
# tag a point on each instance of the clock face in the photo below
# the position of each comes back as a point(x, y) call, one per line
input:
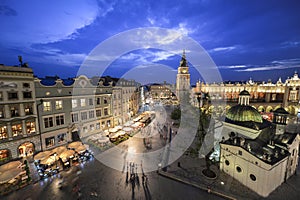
point(184, 71)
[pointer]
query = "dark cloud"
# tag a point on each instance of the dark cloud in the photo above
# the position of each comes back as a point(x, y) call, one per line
point(7, 11)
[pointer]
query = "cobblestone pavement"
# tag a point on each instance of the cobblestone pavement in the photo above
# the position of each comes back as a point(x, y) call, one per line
point(190, 171)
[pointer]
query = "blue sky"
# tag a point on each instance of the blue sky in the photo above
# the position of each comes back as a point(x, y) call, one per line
point(258, 39)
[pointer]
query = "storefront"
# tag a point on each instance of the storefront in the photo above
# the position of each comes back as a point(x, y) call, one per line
point(4, 155)
point(26, 149)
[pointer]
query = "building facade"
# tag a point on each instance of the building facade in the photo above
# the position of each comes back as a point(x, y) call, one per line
point(19, 133)
point(256, 152)
point(264, 96)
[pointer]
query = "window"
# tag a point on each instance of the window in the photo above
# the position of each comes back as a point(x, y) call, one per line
point(3, 132)
point(61, 138)
point(46, 106)
point(98, 100)
point(14, 111)
point(16, 130)
point(252, 177)
point(59, 120)
point(105, 111)
point(26, 85)
point(28, 110)
point(98, 125)
point(4, 155)
point(240, 153)
point(84, 129)
point(58, 105)
point(238, 169)
point(1, 112)
point(50, 142)
point(27, 95)
point(1, 96)
point(30, 127)
point(92, 127)
point(91, 114)
point(84, 116)
point(48, 122)
point(74, 103)
point(82, 102)
point(105, 100)
point(12, 95)
point(98, 113)
point(227, 162)
point(74, 117)
point(91, 102)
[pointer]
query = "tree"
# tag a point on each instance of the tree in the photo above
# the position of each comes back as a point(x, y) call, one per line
point(176, 114)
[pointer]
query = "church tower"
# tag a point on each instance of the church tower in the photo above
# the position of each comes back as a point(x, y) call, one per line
point(183, 79)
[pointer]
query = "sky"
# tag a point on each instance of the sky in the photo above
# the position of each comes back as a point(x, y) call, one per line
point(245, 39)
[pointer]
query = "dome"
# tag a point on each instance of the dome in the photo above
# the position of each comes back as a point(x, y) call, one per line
point(243, 113)
point(281, 111)
point(244, 92)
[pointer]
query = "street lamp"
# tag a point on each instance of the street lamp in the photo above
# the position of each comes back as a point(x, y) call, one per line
point(55, 160)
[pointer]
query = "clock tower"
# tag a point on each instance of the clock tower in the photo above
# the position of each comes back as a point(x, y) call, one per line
point(183, 79)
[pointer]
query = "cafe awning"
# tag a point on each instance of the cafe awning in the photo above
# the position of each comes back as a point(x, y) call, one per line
point(42, 155)
point(74, 145)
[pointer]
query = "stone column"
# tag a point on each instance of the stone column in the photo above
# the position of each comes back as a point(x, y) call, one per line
point(9, 131)
point(286, 96)
point(24, 128)
point(7, 111)
point(267, 98)
point(22, 111)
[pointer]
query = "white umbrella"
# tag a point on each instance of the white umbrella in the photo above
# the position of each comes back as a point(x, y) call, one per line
point(80, 149)
point(127, 129)
point(119, 127)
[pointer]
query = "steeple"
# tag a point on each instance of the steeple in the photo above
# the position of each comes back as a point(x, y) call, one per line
point(183, 62)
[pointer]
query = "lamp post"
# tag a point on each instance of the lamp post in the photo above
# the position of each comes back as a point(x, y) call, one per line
point(55, 160)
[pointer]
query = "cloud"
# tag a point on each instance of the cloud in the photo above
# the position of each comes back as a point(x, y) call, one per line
point(232, 66)
point(230, 48)
point(274, 65)
point(7, 11)
point(45, 22)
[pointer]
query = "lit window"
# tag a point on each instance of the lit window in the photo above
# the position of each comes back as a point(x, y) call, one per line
point(14, 111)
point(58, 105)
point(4, 155)
point(50, 141)
point(74, 103)
point(30, 127)
point(92, 127)
point(28, 110)
point(61, 138)
point(3, 132)
point(82, 102)
point(47, 106)
point(16, 130)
